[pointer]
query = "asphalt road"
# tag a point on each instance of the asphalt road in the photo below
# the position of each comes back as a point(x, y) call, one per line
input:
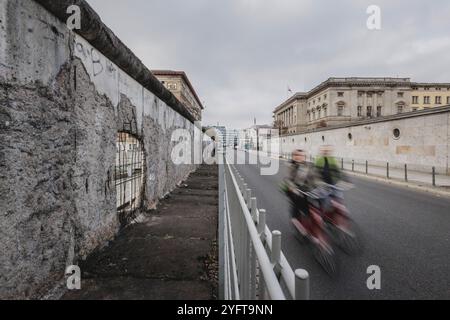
point(406, 233)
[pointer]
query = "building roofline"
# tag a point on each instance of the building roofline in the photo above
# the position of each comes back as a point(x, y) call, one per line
point(406, 115)
point(296, 96)
point(358, 81)
point(183, 75)
point(430, 84)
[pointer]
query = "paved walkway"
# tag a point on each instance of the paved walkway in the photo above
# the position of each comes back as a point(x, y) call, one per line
point(172, 254)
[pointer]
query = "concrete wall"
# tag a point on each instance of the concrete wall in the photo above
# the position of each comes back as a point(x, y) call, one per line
point(61, 105)
point(423, 143)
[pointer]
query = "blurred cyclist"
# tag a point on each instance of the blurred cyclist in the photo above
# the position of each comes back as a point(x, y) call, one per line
point(327, 166)
point(301, 176)
point(328, 170)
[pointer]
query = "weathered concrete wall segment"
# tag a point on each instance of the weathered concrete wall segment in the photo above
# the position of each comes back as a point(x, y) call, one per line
point(62, 103)
point(423, 141)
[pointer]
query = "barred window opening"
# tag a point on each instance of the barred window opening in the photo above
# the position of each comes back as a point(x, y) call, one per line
point(129, 174)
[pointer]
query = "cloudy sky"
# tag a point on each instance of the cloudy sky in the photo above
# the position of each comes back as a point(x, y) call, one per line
point(241, 55)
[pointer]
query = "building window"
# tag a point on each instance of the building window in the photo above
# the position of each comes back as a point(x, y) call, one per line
point(380, 94)
point(448, 100)
point(400, 94)
point(438, 89)
point(323, 138)
point(426, 100)
point(369, 111)
point(438, 100)
point(360, 93)
point(426, 89)
point(340, 110)
point(396, 133)
point(325, 112)
point(400, 108)
point(415, 100)
point(350, 136)
point(379, 111)
point(369, 94)
point(325, 96)
point(340, 94)
point(359, 111)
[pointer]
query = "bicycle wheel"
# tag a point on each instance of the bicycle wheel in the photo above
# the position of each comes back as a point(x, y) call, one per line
point(327, 259)
point(349, 238)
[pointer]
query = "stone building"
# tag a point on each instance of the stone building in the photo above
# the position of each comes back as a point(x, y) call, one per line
point(178, 83)
point(344, 100)
point(256, 135)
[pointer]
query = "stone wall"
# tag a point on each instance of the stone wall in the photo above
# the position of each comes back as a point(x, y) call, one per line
point(62, 103)
point(423, 141)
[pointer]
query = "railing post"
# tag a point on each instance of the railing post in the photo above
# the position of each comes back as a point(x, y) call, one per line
point(248, 196)
point(244, 190)
point(252, 273)
point(406, 172)
point(434, 176)
point(301, 285)
point(262, 224)
point(261, 288)
point(246, 265)
point(276, 247)
point(367, 167)
point(387, 170)
point(253, 209)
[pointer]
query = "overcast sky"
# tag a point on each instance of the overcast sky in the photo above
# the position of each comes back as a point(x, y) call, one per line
point(241, 55)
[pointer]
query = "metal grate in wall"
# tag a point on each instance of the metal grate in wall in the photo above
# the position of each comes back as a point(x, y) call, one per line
point(129, 175)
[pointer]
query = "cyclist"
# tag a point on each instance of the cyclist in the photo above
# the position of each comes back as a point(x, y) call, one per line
point(327, 166)
point(301, 176)
point(328, 170)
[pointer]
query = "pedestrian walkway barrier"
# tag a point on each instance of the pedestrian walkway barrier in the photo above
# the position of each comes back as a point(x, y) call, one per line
point(254, 266)
point(430, 175)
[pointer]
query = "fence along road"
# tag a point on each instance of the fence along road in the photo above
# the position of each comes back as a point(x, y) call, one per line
point(252, 264)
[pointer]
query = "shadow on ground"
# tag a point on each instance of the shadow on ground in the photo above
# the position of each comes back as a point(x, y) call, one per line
point(171, 254)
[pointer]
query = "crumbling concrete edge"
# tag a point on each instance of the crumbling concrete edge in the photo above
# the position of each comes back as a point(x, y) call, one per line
point(106, 42)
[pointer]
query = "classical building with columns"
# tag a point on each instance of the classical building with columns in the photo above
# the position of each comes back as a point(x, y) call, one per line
point(343, 100)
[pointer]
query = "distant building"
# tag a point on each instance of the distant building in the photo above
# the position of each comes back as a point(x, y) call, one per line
point(256, 135)
point(343, 100)
point(226, 137)
point(178, 83)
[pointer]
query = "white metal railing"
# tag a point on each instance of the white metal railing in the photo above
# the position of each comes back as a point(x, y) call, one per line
point(254, 265)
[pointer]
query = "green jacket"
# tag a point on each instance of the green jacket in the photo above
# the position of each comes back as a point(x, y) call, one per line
point(330, 174)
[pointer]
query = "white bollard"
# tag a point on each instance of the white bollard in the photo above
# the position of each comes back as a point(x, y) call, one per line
point(253, 208)
point(301, 285)
point(244, 190)
point(276, 247)
point(262, 221)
